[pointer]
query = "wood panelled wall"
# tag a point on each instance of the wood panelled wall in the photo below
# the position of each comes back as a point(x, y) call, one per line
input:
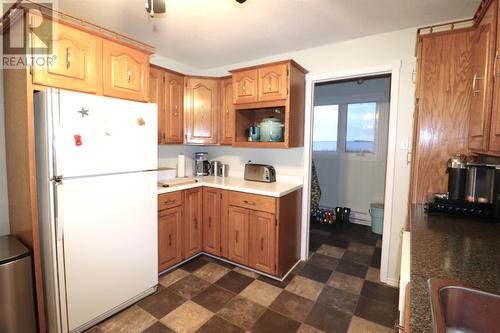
point(443, 97)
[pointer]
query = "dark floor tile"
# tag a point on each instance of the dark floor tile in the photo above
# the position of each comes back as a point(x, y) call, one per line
point(323, 261)
point(161, 303)
point(194, 264)
point(377, 257)
point(378, 312)
point(328, 320)
point(337, 241)
point(158, 328)
point(337, 299)
point(360, 258)
point(189, 286)
point(298, 267)
point(352, 268)
point(276, 283)
point(291, 305)
point(380, 293)
point(272, 322)
point(234, 282)
point(213, 298)
point(315, 273)
point(314, 245)
point(218, 325)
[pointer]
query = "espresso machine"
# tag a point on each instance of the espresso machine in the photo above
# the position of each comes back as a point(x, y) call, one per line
point(202, 166)
point(473, 190)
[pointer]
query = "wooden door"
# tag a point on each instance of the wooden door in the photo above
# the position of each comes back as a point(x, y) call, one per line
point(226, 112)
point(174, 97)
point(245, 86)
point(193, 211)
point(212, 221)
point(169, 237)
point(238, 224)
point(273, 82)
point(201, 118)
point(156, 95)
point(494, 145)
point(75, 62)
point(125, 71)
point(262, 244)
point(482, 84)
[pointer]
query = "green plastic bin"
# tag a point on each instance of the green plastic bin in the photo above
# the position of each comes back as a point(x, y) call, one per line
point(377, 214)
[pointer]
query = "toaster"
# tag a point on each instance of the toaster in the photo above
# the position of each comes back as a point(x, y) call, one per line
point(260, 173)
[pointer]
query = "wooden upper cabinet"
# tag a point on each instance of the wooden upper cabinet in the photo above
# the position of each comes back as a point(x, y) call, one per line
point(226, 112)
point(174, 107)
point(494, 145)
point(273, 82)
point(156, 95)
point(193, 230)
point(170, 225)
point(126, 71)
point(238, 231)
point(262, 242)
point(212, 221)
point(76, 62)
point(482, 65)
point(201, 110)
point(245, 86)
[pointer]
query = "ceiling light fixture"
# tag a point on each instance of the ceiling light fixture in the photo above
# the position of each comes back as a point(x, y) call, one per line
point(241, 1)
point(156, 7)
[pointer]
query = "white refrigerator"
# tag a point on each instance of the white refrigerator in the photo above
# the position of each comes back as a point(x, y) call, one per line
point(97, 192)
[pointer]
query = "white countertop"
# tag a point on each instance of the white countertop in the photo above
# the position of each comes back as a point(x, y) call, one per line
point(276, 189)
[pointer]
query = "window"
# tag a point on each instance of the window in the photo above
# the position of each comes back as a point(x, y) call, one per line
point(360, 128)
point(349, 128)
point(325, 127)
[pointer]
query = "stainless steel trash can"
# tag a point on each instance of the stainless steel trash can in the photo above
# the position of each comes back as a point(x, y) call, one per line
point(17, 306)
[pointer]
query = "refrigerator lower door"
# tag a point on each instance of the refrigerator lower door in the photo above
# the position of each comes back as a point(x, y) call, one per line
point(107, 226)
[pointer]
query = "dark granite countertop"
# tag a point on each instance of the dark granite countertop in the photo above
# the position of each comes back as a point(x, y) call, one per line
point(450, 247)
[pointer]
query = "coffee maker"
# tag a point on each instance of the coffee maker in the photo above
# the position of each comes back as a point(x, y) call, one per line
point(473, 190)
point(202, 166)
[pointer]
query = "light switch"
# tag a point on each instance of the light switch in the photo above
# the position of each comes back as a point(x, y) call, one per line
point(404, 144)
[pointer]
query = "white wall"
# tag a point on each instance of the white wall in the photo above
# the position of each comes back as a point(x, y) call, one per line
point(347, 180)
point(371, 51)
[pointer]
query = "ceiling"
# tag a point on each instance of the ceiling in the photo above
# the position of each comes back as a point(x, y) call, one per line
point(210, 33)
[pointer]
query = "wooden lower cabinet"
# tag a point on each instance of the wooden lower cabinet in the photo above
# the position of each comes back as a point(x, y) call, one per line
point(260, 232)
point(170, 224)
point(262, 242)
point(238, 232)
point(212, 221)
point(193, 230)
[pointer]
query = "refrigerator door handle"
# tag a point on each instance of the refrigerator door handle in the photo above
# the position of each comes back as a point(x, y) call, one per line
point(58, 214)
point(54, 116)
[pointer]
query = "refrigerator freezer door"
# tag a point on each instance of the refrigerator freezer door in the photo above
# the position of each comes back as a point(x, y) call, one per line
point(97, 135)
point(109, 236)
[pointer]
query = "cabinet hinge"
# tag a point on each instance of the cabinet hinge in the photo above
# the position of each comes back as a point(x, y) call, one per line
point(164, 80)
point(276, 222)
point(221, 195)
point(221, 249)
point(287, 72)
point(275, 267)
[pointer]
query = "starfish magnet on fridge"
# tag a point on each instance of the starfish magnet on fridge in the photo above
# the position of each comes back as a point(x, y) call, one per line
point(84, 112)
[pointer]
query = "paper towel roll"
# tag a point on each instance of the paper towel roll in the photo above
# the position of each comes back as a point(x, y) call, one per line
point(181, 165)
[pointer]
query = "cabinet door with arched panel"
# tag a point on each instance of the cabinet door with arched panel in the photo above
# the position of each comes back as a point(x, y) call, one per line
point(245, 86)
point(126, 71)
point(174, 103)
point(273, 82)
point(75, 62)
point(201, 111)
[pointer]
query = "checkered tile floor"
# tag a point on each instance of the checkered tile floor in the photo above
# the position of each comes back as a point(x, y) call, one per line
point(337, 290)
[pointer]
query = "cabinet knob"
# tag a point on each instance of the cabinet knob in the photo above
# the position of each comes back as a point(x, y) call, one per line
point(210, 222)
point(262, 244)
point(169, 240)
point(249, 202)
point(129, 75)
point(236, 236)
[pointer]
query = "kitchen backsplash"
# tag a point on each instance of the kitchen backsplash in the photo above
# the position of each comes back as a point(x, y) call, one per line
point(287, 162)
